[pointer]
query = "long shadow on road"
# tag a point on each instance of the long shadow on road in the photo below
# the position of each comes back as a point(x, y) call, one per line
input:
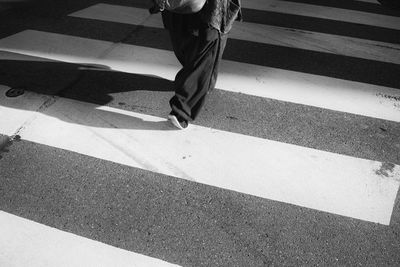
point(86, 83)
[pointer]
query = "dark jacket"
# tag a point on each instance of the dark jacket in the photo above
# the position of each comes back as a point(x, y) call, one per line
point(220, 14)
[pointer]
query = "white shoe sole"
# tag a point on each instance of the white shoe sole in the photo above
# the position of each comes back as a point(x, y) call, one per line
point(175, 122)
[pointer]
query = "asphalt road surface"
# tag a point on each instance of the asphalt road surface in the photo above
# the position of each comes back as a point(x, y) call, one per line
point(293, 161)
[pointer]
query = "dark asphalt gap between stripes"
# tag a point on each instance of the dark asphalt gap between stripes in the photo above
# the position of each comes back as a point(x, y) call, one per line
point(180, 221)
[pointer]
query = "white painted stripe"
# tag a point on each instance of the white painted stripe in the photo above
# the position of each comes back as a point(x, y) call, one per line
point(324, 12)
point(320, 42)
point(27, 243)
point(324, 92)
point(320, 180)
point(4, 55)
point(23, 112)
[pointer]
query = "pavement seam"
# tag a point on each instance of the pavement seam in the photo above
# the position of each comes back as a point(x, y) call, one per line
point(46, 104)
point(4, 142)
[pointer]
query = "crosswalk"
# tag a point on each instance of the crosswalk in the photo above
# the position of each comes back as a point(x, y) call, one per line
point(292, 165)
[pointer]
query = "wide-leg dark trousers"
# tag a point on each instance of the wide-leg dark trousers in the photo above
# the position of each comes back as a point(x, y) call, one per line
point(199, 49)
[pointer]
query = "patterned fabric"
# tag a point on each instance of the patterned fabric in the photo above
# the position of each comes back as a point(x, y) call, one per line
point(220, 14)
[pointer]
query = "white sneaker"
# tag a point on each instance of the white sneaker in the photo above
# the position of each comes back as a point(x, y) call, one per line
point(178, 123)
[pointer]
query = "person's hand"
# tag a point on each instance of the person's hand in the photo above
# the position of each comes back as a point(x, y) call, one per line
point(161, 4)
point(158, 6)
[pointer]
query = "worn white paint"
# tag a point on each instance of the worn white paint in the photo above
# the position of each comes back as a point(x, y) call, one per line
point(320, 42)
point(292, 174)
point(324, 12)
point(319, 91)
point(27, 243)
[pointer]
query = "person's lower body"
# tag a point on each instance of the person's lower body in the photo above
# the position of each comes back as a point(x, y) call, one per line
point(199, 49)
